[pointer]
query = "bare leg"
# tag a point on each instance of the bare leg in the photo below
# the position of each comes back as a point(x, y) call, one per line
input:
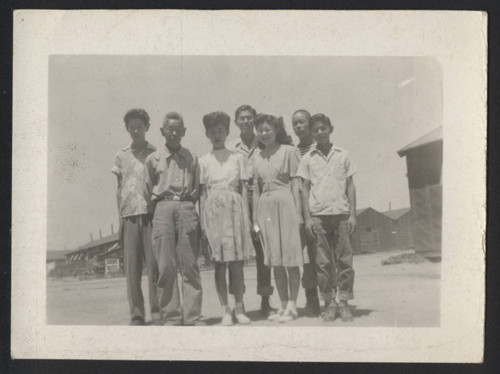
point(293, 282)
point(237, 279)
point(281, 280)
point(220, 282)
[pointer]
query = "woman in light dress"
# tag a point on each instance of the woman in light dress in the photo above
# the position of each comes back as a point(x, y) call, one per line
point(277, 210)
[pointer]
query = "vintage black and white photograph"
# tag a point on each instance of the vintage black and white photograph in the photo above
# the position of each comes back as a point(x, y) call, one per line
point(284, 191)
point(228, 192)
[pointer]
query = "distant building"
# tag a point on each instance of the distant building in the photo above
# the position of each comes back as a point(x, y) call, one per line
point(55, 259)
point(402, 227)
point(91, 256)
point(378, 231)
point(424, 162)
point(372, 231)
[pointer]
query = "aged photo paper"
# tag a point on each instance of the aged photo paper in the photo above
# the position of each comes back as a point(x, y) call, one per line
point(391, 81)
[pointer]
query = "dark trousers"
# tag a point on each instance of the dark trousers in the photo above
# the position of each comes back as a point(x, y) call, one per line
point(333, 260)
point(175, 235)
point(135, 236)
point(309, 277)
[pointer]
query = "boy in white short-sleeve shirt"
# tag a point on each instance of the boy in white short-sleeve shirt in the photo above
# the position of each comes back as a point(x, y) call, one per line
point(329, 201)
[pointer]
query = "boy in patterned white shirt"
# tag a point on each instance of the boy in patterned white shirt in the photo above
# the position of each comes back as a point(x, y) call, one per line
point(136, 217)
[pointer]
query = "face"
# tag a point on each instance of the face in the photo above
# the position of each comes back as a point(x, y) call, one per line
point(245, 122)
point(321, 132)
point(217, 135)
point(300, 123)
point(266, 133)
point(137, 128)
point(173, 131)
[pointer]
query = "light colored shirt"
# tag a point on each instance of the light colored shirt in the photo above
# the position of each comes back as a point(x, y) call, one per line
point(275, 169)
point(239, 146)
point(328, 177)
point(302, 151)
point(172, 175)
point(129, 168)
point(224, 168)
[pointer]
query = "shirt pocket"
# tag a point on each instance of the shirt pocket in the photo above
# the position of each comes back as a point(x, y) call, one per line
point(339, 170)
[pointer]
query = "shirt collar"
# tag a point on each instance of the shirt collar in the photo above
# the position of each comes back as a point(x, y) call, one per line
point(182, 152)
point(315, 149)
point(148, 145)
point(240, 144)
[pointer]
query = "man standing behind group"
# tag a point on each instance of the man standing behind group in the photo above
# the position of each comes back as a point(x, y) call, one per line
point(300, 124)
point(245, 144)
point(135, 216)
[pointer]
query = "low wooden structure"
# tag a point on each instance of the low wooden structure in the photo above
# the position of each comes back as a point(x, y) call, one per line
point(424, 162)
point(385, 231)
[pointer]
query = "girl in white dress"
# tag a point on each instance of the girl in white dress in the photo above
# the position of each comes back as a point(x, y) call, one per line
point(224, 214)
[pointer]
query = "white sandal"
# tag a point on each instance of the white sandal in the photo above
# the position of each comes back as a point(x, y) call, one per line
point(242, 319)
point(276, 316)
point(227, 319)
point(288, 315)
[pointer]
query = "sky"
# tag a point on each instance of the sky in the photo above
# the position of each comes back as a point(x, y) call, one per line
point(377, 105)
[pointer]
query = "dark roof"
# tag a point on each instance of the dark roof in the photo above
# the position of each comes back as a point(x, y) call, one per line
point(95, 243)
point(115, 248)
point(396, 213)
point(359, 211)
point(57, 255)
point(433, 136)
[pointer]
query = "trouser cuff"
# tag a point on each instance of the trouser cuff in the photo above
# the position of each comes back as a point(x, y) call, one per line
point(345, 295)
point(328, 296)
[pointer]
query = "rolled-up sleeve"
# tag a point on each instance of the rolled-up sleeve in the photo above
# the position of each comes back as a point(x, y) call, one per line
point(117, 167)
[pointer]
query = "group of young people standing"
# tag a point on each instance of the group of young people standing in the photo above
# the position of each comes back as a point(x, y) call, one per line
point(258, 195)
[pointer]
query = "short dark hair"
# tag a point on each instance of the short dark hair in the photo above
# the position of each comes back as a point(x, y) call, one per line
point(216, 118)
point(277, 122)
point(136, 113)
point(243, 108)
point(320, 117)
point(173, 115)
point(302, 111)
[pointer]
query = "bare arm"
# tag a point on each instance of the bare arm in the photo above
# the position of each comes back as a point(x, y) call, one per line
point(195, 194)
point(203, 199)
point(119, 192)
point(149, 180)
point(255, 200)
point(306, 188)
point(297, 198)
point(351, 198)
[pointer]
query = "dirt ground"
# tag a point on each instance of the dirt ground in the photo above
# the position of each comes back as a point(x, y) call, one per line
point(406, 294)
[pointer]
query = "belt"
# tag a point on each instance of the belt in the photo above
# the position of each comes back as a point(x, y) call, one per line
point(175, 198)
